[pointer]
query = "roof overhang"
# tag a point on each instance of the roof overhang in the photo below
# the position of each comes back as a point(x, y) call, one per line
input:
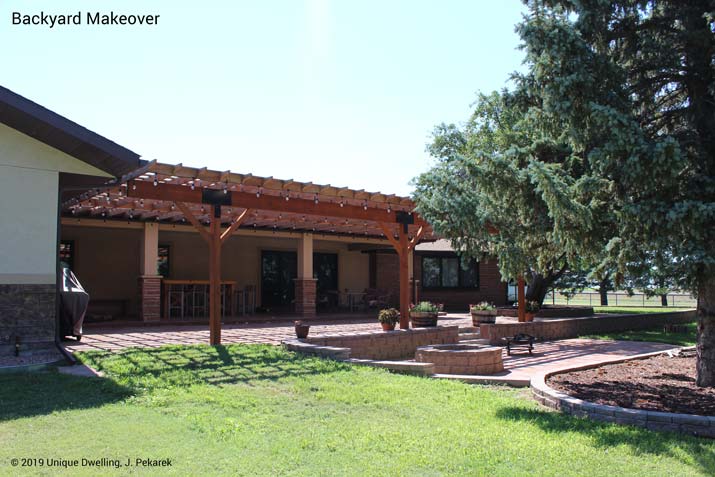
point(67, 136)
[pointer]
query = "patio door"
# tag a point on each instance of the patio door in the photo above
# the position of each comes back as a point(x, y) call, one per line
point(278, 270)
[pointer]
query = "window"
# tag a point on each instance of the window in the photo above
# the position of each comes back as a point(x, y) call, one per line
point(445, 271)
point(163, 261)
point(67, 254)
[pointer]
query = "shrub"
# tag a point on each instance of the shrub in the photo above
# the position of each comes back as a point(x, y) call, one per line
point(425, 307)
point(532, 306)
point(482, 306)
point(389, 316)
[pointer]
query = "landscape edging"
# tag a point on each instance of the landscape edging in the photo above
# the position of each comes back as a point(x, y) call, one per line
point(702, 426)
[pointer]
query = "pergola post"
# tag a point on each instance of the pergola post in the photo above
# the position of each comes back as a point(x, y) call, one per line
point(404, 254)
point(215, 278)
point(215, 239)
point(521, 298)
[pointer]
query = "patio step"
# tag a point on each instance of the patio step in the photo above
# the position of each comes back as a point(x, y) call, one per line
point(479, 341)
point(469, 336)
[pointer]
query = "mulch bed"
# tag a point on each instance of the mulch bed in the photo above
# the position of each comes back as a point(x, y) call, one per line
point(662, 383)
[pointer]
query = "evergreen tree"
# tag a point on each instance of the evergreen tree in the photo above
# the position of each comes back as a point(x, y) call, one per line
point(608, 154)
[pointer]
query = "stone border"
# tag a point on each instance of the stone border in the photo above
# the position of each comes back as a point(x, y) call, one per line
point(701, 426)
point(562, 328)
point(343, 354)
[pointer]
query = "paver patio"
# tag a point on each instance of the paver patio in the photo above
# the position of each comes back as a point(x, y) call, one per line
point(519, 368)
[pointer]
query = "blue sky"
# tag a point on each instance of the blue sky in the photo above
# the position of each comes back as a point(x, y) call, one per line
point(341, 92)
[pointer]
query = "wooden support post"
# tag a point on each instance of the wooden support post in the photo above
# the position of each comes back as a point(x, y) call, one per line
point(215, 278)
point(404, 254)
point(520, 292)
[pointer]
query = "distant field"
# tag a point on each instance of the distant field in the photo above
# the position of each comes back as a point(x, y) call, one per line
point(623, 299)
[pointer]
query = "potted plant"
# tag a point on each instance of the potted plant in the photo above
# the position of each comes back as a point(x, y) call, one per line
point(388, 318)
point(483, 312)
point(532, 308)
point(301, 330)
point(424, 314)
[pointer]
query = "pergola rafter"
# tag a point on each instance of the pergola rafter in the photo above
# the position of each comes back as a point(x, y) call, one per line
point(176, 193)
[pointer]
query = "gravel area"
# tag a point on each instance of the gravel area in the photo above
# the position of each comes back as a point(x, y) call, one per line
point(661, 383)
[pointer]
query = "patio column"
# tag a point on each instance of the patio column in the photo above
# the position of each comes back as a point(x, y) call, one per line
point(149, 279)
point(305, 284)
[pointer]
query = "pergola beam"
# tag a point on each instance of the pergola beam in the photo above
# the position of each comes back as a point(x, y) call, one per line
point(258, 201)
point(234, 226)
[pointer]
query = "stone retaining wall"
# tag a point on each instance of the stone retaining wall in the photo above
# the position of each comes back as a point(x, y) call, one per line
point(398, 344)
point(27, 313)
point(555, 329)
point(703, 426)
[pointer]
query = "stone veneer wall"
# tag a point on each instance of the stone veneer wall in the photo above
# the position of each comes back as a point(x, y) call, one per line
point(305, 292)
point(396, 344)
point(28, 313)
point(553, 329)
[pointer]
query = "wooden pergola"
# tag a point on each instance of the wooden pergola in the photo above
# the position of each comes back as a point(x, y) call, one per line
point(218, 203)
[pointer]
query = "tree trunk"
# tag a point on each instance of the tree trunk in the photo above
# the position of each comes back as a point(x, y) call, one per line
point(603, 287)
point(706, 329)
point(663, 300)
point(539, 286)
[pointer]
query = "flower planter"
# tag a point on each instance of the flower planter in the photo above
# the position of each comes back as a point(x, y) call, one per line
point(529, 316)
point(301, 330)
point(483, 316)
point(421, 319)
point(388, 326)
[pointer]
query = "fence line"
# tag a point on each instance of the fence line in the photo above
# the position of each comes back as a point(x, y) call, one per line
point(621, 299)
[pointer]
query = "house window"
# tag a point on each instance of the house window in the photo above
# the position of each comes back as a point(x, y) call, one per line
point(67, 253)
point(163, 261)
point(448, 272)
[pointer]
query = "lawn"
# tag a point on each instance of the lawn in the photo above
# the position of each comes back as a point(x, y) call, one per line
point(630, 310)
point(654, 335)
point(260, 410)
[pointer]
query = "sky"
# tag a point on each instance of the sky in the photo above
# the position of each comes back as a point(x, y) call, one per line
point(342, 92)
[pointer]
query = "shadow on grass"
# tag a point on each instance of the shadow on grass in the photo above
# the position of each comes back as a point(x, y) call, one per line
point(694, 451)
point(39, 393)
point(147, 368)
point(136, 371)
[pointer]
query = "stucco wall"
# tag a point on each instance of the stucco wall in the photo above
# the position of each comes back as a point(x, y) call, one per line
point(107, 259)
point(29, 178)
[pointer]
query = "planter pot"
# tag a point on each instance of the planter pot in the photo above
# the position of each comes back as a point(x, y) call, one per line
point(421, 319)
point(388, 326)
point(529, 316)
point(301, 331)
point(484, 316)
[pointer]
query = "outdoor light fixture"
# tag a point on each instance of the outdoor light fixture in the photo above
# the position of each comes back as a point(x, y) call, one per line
point(316, 198)
point(389, 209)
point(156, 181)
point(191, 183)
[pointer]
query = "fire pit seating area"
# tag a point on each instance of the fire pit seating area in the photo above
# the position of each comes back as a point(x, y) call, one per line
point(426, 351)
point(379, 345)
point(462, 358)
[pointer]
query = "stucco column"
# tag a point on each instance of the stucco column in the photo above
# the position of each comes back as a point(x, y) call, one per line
point(149, 279)
point(305, 284)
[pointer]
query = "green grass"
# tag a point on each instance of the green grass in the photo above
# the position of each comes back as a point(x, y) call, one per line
point(637, 309)
point(655, 335)
point(260, 410)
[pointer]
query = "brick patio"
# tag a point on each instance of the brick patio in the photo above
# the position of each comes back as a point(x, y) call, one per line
point(518, 368)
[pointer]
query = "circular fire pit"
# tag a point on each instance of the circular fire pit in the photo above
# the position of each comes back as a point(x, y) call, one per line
point(461, 358)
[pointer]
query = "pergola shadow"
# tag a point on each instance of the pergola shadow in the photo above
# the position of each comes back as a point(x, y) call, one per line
point(179, 365)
